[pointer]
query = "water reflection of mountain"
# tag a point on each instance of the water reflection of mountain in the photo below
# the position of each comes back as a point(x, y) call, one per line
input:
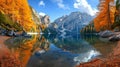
point(82, 43)
point(63, 52)
point(72, 44)
point(56, 57)
point(103, 45)
point(57, 51)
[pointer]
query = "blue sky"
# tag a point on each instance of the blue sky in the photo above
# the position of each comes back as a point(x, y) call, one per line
point(58, 8)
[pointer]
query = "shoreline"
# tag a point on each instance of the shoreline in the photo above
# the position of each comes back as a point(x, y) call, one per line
point(3, 49)
point(113, 60)
point(6, 58)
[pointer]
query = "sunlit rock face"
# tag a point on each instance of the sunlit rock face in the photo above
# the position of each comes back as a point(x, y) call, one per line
point(42, 21)
point(45, 20)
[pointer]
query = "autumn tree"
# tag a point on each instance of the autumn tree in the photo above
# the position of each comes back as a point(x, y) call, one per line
point(19, 11)
point(105, 17)
point(117, 16)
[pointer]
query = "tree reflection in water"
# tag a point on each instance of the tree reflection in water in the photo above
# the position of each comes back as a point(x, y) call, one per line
point(55, 51)
point(23, 47)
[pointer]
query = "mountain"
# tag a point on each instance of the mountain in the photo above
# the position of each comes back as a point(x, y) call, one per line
point(41, 21)
point(71, 23)
point(45, 20)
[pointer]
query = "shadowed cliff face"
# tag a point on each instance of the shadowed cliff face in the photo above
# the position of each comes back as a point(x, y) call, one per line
point(19, 12)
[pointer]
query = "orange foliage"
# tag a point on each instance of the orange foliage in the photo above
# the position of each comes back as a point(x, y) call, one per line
point(24, 51)
point(105, 17)
point(19, 11)
point(28, 48)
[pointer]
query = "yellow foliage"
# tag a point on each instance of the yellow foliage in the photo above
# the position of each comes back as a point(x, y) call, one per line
point(19, 11)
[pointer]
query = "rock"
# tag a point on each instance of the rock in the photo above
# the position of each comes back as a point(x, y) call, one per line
point(13, 33)
point(24, 34)
point(114, 38)
point(3, 32)
point(10, 33)
point(28, 36)
point(106, 34)
point(17, 34)
point(45, 20)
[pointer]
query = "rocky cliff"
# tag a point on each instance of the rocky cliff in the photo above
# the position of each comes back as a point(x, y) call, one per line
point(42, 22)
point(45, 20)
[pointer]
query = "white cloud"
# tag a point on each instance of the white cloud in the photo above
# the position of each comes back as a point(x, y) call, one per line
point(83, 6)
point(61, 4)
point(41, 3)
point(42, 14)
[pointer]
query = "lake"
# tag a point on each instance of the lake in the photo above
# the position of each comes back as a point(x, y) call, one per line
point(59, 51)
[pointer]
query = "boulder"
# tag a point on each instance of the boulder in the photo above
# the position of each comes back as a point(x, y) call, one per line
point(3, 32)
point(17, 34)
point(114, 38)
point(24, 34)
point(10, 33)
point(106, 34)
point(13, 33)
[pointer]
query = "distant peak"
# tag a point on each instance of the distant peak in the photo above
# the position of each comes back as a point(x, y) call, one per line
point(77, 12)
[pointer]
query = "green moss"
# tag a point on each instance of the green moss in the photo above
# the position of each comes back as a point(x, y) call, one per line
point(8, 24)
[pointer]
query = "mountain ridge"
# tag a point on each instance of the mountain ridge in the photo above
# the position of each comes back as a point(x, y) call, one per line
point(71, 23)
